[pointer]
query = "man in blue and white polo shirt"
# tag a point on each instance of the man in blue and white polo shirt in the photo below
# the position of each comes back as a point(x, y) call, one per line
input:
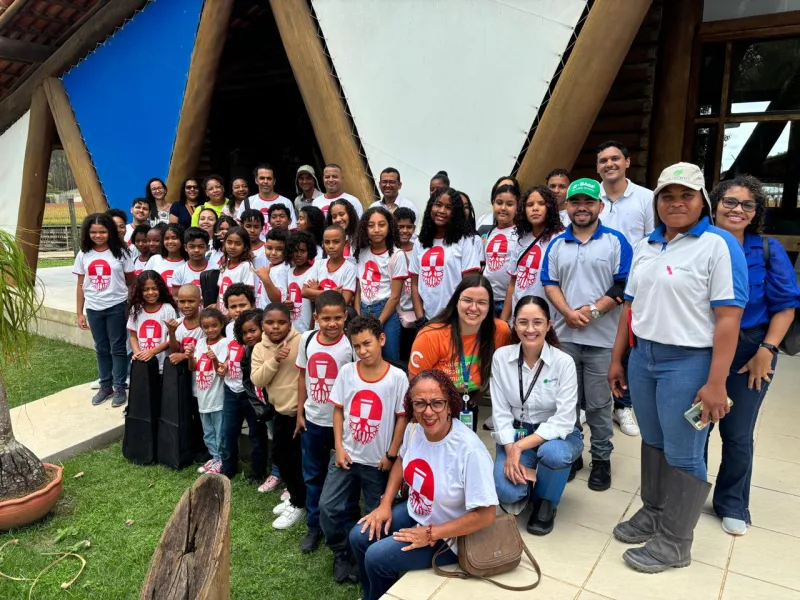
point(584, 275)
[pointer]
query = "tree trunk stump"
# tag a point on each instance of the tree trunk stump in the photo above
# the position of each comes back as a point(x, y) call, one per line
point(192, 559)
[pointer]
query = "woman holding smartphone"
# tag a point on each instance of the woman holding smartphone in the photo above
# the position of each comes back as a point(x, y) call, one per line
point(685, 323)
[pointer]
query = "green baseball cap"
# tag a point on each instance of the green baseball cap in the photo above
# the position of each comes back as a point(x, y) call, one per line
point(585, 186)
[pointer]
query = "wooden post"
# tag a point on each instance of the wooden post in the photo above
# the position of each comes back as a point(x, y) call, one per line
point(598, 53)
point(680, 19)
point(73, 226)
point(208, 46)
point(321, 95)
point(74, 147)
point(38, 149)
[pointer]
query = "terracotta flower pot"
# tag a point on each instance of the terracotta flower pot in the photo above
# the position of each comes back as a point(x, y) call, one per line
point(24, 511)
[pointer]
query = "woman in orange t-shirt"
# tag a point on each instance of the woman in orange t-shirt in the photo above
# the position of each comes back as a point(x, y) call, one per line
point(461, 340)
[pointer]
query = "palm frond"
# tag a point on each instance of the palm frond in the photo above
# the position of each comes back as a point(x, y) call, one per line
point(19, 302)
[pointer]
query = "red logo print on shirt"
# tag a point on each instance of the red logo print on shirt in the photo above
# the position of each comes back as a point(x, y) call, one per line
point(371, 280)
point(433, 266)
point(295, 295)
point(322, 370)
point(99, 273)
point(205, 372)
point(365, 416)
point(186, 341)
point(528, 268)
point(260, 395)
point(496, 252)
point(224, 285)
point(407, 286)
point(235, 354)
point(149, 334)
point(419, 477)
point(167, 277)
point(327, 284)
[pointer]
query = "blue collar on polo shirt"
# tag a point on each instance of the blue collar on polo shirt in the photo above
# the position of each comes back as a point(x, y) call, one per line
point(752, 240)
point(570, 237)
point(698, 230)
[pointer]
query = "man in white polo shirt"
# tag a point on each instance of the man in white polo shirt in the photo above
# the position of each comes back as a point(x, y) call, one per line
point(332, 180)
point(628, 208)
point(583, 274)
point(264, 175)
point(390, 185)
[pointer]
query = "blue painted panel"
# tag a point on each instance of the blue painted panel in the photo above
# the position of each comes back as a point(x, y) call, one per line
point(127, 96)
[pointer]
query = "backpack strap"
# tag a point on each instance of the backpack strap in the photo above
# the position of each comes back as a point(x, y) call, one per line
point(765, 246)
point(311, 337)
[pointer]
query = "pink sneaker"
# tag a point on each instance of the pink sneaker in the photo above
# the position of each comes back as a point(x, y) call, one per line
point(285, 495)
point(205, 467)
point(270, 484)
point(216, 467)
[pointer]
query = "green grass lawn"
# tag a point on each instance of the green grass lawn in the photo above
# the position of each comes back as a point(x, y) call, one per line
point(44, 263)
point(52, 366)
point(264, 563)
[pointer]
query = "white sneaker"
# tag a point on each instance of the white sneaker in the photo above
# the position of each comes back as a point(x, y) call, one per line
point(95, 385)
point(289, 517)
point(624, 418)
point(278, 510)
point(734, 526)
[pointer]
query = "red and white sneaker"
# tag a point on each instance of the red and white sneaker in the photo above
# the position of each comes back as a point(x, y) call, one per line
point(216, 467)
point(205, 467)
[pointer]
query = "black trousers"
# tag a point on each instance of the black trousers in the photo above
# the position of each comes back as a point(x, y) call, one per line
point(288, 455)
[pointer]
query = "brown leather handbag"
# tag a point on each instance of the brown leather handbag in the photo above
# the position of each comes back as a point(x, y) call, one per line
point(491, 551)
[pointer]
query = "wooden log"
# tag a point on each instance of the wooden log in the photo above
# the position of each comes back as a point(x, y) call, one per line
point(20, 51)
point(74, 147)
point(208, 46)
point(12, 11)
point(321, 96)
point(93, 32)
point(38, 150)
point(582, 87)
point(192, 559)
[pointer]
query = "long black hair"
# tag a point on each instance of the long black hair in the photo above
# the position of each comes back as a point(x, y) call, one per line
point(352, 217)
point(247, 253)
point(177, 230)
point(550, 337)
point(752, 185)
point(183, 200)
point(552, 220)
point(449, 318)
point(316, 222)
point(471, 221)
point(231, 204)
point(118, 248)
point(496, 185)
point(361, 239)
point(151, 200)
point(136, 299)
point(457, 229)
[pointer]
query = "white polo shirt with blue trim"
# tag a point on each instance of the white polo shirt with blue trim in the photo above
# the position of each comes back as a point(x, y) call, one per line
point(585, 271)
point(675, 285)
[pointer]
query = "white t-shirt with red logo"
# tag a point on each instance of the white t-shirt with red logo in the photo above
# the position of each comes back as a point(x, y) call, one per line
point(322, 364)
point(214, 258)
point(241, 273)
point(185, 335)
point(164, 267)
point(139, 265)
point(302, 308)
point(129, 233)
point(405, 304)
point(208, 385)
point(376, 273)
point(370, 411)
point(186, 274)
point(233, 376)
point(260, 257)
point(104, 277)
point(151, 329)
point(448, 478)
point(526, 263)
point(343, 276)
point(263, 205)
point(440, 269)
point(323, 203)
point(279, 275)
point(499, 246)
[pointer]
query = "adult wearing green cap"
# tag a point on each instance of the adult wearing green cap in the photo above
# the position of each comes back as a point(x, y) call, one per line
point(583, 274)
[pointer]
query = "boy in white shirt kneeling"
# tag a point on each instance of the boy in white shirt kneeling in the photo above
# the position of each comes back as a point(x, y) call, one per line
point(368, 425)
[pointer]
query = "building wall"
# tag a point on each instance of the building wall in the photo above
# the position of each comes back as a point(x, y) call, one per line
point(12, 157)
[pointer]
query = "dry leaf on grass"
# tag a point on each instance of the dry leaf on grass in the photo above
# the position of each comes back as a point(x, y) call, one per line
point(78, 475)
point(129, 522)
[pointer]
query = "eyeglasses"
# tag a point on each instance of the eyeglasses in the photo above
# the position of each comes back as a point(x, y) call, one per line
point(192, 187)
point(535, 323)
point(437, 406)
point(469, 302)
point(157, 189)
point(386, 182)
point(731, 203)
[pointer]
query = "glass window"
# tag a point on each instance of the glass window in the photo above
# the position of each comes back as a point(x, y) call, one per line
point(765, 76)
point(711, 71)
point(759, 149)
point(705, 150)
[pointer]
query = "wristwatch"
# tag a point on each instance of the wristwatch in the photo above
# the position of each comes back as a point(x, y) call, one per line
point(390, 457)
point(772, 348)
point(596, 314)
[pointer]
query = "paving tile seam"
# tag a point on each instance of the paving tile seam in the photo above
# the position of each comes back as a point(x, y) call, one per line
point(780, 585)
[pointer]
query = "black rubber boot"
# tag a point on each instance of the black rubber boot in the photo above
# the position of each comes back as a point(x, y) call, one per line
point(645, 523)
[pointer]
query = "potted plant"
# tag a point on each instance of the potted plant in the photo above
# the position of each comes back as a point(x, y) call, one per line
point(28, 489)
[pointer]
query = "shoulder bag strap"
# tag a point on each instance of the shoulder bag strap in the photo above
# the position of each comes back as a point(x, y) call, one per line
point(765, 246)
point(528, 249)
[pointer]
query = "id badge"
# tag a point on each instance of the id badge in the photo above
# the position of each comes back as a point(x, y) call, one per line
point(465, 416)
point(519, 434)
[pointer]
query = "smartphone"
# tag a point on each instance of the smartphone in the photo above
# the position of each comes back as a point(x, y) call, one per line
point(694, 415)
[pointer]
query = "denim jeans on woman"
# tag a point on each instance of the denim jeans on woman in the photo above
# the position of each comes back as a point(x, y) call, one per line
point(235, 409)
point(664, 381)
point(732, 489)
point(110, 334)
point(391, 350)
point(381, 562)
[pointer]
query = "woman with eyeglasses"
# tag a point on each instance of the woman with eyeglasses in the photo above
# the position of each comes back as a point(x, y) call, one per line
point(461, 340)
point(181, 211)
point(448, 471)
point(156, 193)
point(534, 396)
point(739, 205)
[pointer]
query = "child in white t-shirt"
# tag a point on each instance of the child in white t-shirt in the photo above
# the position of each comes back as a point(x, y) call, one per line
point(171, 256)
point(301, 250)
point(334, 272)
point(236, 266)
point(368, 424)
point(150, 308)
point(196, 246)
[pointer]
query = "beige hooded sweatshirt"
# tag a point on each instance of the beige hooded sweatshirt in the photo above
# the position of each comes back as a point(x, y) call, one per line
point(279, 378)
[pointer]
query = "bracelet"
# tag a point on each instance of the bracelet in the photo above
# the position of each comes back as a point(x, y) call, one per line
point(390, 457)
point(431, 542)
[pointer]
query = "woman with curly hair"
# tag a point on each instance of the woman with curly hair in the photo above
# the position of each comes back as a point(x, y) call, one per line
point(451, 492)
point(342, 213)
point(738, 206)
point(150, 306)
point(537, 222)
point(443, 254)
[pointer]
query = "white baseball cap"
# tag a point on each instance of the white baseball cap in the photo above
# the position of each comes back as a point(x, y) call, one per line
point(685, 174)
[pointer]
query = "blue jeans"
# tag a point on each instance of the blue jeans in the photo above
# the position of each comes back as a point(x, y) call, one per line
point(271, 430)
point(625, 401)
point(212, 432)
point(381, 562)
point(236, 408)
point(552, 461)
point(498, 307)
point(664, 381)
point(108, 327)
point(317, 444)
point(732, 489)
point(391, 350)
point(341, 493)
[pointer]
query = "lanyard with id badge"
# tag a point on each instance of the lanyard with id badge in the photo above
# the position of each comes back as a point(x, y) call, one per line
point(521, 433)
point(465, 416)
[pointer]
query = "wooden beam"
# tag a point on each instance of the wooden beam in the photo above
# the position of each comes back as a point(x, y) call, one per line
point(38, 149)
point(582, 87)
point(680, 20)
point(208, 46)
point(12, 11)
point(77, 155)
point(26, 52)
point(326, 109)
point(93, 32)
point(757, 26)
